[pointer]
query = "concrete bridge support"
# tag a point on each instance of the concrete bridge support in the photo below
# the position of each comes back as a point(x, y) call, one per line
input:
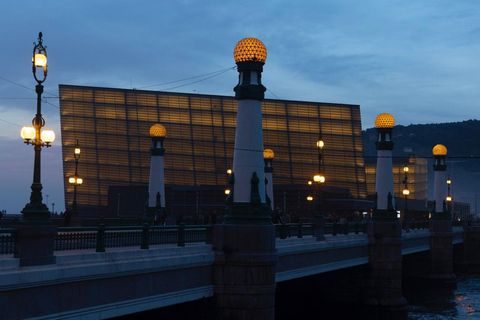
point(244, 271)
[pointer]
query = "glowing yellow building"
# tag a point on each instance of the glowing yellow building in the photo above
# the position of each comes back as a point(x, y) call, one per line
point(112, 125)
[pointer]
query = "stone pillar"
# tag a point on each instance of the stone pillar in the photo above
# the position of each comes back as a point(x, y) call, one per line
point(244, 245)
point(244, 271)
point(471, 246)
point(34, 244)
point(384, 284)
point(441, 235)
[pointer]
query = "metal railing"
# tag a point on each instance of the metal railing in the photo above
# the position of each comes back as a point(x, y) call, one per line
point(102, 237)
point(299, 230)
point(7, 240)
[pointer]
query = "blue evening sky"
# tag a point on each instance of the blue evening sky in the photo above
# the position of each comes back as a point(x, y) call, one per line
point(416, 59)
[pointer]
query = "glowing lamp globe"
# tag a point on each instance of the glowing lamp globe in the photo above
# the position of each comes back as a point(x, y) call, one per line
point(406, 192)
point(268, 154)
point(309, 198)
point(251, 50)
point(439, 150)
point(71, 180)
point(320, 144)
point(48, 136)
point(27, 133)
point(384, 121)
point(157, 130)
point(227, 191)
point(40, 60)
point(319, 178)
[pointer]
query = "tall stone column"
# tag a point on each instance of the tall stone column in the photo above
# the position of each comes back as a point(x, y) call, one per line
point(156, 186)
point(268, 158)
point(384, 284)
point(244, 245)
point(441, 235)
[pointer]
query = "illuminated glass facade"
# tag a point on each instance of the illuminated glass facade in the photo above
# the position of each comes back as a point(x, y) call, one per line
point(112, 126)
point(417, 177)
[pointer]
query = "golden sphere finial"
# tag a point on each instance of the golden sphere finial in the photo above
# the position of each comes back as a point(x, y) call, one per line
point(268, 154)
point(157, 130)
point(439, 150)
point(250, 49)
point(384, 121)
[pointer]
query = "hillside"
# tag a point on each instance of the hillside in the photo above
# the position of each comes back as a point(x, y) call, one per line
point(460, 138)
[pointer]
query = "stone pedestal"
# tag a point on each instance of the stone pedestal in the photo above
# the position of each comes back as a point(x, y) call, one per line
point(384, 284)
point(244, 271)
point(34, 244)
point(441, 254)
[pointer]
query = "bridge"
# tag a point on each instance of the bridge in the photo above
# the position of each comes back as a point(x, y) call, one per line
point(95, 277)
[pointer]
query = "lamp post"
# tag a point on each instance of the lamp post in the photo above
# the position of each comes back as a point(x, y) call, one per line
point(35, 232)
point(406, 192)
point(75, 180)
point(319, 179)
point(36, 211)
point(449, 198)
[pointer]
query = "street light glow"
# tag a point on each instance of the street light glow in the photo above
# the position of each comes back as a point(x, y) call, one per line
point(319, 178)
point(47, 136)
point(40, 60)
point(27, 133)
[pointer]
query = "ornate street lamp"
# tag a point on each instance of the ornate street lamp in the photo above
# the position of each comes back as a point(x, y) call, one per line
point(449, 198)
point(405, 192)
point(76, 180)
point(36, 211)
point(319, 179)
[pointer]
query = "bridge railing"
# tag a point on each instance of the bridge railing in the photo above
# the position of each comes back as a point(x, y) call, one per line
point(102, 237)
point(417, 224)
point(7, 240)
point(308, 229)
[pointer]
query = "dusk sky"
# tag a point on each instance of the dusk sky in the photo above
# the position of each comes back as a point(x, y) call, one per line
point(418, 60)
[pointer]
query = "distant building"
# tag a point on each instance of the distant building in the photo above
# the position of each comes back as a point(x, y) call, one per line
point(417, 177)
point(112, 125)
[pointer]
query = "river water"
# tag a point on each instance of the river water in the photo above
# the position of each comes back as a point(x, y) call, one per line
point(462, 303)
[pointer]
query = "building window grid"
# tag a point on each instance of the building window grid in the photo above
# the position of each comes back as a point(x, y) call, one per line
point(225, 105)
